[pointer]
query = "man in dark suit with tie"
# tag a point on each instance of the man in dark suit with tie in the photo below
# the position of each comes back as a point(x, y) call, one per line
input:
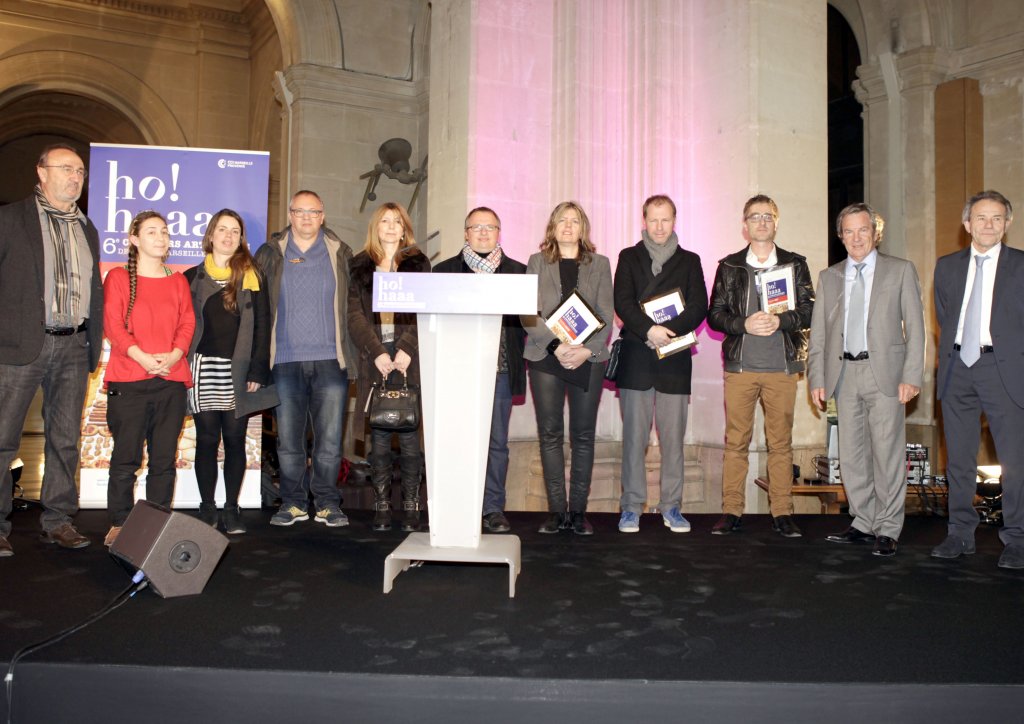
point(979, 304)
point(867, 350)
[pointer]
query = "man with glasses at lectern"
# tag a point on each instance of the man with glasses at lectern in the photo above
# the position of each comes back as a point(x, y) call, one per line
point(482, 254)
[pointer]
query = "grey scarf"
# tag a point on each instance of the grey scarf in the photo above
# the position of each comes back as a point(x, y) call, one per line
point(660, 253)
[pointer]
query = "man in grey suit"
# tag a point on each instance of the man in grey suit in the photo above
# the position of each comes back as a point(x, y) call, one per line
point(867, 350)
point(979, 304)
point(50, 334)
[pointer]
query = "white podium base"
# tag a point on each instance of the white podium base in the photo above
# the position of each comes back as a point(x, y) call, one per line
point(492, 549)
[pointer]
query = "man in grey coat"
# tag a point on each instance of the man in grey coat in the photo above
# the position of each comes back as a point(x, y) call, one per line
point(867, 351)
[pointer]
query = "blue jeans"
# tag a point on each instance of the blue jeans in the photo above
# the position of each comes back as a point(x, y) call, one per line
point(62, 369)
point(318, 392)
point(497, 452)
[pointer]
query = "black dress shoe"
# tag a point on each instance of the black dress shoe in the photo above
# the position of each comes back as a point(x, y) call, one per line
point(727, 524)
point(496, 523)
point(580, 525)
point(784, 526)
point(554, 523)
point(884, 546)
point(850, 535)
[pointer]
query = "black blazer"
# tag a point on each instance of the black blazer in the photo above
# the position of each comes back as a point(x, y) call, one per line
point(22, 286)
point(515, 335)
point(1007, 324)
point(639, 366)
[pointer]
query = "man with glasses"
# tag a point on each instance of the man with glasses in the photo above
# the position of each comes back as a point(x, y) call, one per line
point(306, 268)
point(763, 354)
point(51, 331)
point(482, 254)
point(867, 351)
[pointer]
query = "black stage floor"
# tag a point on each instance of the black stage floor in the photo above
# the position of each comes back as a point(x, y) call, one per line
point(750, 627)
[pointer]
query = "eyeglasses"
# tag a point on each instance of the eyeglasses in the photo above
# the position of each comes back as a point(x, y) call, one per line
point(481, 228)
point(71, 171)
point(758, 218)
point(314, 213)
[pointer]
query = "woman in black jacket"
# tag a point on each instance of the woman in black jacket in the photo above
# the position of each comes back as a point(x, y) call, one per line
point(230, 361)
point(387, 342)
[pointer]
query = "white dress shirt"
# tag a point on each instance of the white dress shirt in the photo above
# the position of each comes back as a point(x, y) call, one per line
point(988, 283)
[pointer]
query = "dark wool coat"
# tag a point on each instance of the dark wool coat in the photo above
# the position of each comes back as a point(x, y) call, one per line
point(22, 287)
point(639, 366)
point(364, 323)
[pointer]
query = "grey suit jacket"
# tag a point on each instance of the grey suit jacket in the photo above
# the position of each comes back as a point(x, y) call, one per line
point(895, 329)
point(1006, 325)
point(595, 284)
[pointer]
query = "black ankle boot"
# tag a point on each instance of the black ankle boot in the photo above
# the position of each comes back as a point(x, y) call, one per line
point(208, 514)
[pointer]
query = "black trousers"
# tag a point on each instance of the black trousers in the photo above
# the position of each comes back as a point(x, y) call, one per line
point(149, 412)
point(549, 395)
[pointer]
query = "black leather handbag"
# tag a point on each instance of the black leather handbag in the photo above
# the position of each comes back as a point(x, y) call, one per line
point(612, 369)
point(394, 408)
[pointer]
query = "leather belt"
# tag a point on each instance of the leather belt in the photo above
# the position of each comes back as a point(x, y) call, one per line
point(855, 357)
point(985, 348)
point(67, 331)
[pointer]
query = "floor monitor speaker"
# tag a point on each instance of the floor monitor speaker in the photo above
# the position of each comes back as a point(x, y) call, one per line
point(176, 552)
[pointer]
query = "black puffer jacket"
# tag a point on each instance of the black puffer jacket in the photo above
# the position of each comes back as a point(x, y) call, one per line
point(728, 309)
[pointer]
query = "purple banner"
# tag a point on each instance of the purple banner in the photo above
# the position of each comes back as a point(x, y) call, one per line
point(187, 185)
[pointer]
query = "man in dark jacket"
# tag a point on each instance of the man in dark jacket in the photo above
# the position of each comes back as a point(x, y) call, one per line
point(764, 353)
point(50, 334)
point(482, 254)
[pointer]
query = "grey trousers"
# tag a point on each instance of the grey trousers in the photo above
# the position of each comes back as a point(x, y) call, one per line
point(872, 451)
point(639, 409)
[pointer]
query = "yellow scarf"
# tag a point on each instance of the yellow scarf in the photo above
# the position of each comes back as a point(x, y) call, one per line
point(221, 274)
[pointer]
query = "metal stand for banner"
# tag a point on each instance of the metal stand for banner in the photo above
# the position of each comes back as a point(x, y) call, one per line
point(459, 326)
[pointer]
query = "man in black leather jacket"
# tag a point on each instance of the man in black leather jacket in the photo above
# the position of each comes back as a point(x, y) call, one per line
point(763, 355)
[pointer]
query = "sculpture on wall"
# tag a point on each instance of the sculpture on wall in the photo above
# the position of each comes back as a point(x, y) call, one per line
point(394, 156)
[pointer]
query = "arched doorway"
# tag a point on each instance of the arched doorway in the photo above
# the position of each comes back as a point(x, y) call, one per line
point(845, 127)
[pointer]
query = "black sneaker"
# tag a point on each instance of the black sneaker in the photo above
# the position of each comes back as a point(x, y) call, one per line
point(231, 519)
point(580, 525)
point(496, 522)
point(554, 523)
point(784, 526)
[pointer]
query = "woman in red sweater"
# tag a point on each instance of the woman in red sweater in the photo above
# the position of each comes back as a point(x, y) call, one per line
point(147, 316)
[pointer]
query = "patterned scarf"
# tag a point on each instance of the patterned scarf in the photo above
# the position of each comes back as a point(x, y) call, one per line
point(66, 234)
point(221, 274)
point(482, 264)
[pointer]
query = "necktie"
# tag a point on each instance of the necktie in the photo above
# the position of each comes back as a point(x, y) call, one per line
point(970, 342)
point(855, 343)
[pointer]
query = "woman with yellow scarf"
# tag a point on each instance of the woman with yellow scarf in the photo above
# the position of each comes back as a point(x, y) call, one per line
point(230, 361)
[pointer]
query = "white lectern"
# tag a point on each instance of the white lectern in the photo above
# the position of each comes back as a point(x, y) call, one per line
point(459, 326)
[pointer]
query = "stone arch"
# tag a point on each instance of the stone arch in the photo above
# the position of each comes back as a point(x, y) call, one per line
point(92, 77)
point(310, 32)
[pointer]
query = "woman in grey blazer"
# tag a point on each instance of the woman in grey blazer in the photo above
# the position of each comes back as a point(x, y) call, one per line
point(567, 261)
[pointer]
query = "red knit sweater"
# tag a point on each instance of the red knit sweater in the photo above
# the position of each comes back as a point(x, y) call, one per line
point(161, 320)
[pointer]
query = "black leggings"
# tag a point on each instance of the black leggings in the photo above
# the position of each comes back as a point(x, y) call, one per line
point(210, 427)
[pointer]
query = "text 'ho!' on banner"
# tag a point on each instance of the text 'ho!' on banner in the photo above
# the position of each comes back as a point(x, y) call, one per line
point(186, 185)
